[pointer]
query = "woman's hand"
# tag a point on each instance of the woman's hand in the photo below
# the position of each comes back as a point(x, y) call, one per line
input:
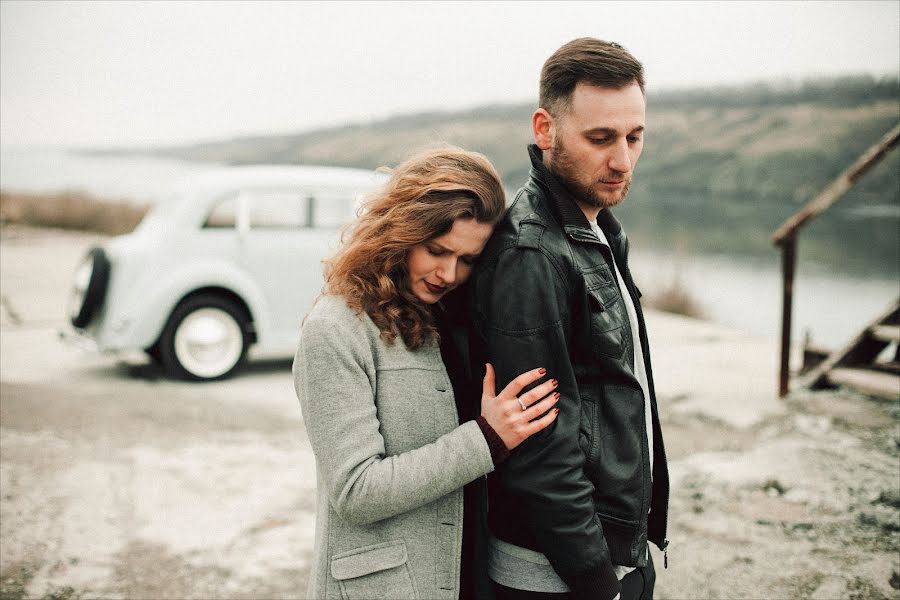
point(516, 418)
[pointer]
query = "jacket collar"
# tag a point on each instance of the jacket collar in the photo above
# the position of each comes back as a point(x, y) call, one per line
point(564, 205)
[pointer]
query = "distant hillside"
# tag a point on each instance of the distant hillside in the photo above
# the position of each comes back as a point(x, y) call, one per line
point(732, 162)
point(766, 140)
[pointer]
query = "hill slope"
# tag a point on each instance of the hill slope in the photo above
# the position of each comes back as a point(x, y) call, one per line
point(731, 163)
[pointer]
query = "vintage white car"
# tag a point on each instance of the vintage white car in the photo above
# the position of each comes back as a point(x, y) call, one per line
point(232, 258)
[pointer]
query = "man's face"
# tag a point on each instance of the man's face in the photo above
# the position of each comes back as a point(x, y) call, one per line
point(597, 142)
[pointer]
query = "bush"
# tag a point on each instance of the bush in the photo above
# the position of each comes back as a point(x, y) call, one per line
point(70, 210)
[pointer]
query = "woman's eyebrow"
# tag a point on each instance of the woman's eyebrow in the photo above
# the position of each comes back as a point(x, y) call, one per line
point(451, 250)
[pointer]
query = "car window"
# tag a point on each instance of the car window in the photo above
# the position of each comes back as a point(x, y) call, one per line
point(223, 215)
point(332, 211)
point(278, 209)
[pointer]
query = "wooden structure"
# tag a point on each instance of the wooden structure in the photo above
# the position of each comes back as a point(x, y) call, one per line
point(856, 364)
point(786, 236)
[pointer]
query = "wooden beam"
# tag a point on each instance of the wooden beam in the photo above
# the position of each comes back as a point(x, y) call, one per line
point(819, 376)
point(871, 383)
point(886, 333)
point(838, 187)
point(788, 260)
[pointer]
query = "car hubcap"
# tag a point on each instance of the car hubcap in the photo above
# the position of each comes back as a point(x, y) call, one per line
point(208, 342)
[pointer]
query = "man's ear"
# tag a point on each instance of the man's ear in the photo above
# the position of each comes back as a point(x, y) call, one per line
point(542, 125)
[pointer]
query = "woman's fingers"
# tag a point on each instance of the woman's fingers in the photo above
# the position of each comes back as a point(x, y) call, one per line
point(516, 385)
point(541, 407)
point(487, 385)
point(542, 423)
point(538, 392)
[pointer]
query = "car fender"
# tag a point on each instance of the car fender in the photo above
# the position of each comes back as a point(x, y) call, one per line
point(162, 299)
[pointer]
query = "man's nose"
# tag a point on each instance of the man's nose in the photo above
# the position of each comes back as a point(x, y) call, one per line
point(620, 158)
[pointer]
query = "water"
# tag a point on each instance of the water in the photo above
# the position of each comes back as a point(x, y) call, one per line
point(131, 178)
point(737, 284)
point(746, 293)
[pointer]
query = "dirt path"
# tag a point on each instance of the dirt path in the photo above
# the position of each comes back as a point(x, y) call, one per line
point(117, 483)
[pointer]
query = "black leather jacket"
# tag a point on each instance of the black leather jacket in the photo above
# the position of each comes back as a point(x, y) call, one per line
point(545, 295)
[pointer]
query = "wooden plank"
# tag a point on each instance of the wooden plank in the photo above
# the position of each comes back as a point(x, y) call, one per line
point(888, 367)
point(838, 187)
point(886, 333)
point(873, 383)
point(817, 377)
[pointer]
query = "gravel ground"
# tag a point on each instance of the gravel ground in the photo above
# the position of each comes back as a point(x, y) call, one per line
point(118, 483)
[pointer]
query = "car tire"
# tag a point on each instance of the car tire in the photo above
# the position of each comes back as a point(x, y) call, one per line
point(91, 292)
point(206, 338)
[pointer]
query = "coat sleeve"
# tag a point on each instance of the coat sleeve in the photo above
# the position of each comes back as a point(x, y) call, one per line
point(334, 377)
point(522, 318)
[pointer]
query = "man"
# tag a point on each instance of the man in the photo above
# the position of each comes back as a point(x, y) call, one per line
point(573, 508)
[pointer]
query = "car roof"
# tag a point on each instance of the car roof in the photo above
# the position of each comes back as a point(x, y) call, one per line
point(224, 178)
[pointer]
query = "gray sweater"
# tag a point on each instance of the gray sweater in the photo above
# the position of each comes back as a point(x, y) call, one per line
point(391, 460)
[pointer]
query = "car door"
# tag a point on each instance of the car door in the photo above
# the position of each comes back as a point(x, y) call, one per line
point(282, 247)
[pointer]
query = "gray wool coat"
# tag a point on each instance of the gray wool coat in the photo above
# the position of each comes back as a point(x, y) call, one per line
point(391, 460)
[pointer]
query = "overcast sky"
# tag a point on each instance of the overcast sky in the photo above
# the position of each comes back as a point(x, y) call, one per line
point(135, 73)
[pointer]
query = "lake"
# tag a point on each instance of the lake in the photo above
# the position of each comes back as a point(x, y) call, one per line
point(847, 269)
point(133, 178)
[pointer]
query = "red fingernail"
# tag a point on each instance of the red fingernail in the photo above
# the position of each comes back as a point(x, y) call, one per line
point(555, 411)
point(555, 383)
point(542, 371)
point(556, 395)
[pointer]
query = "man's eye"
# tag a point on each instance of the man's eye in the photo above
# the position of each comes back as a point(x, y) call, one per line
point(602, 140)
point(633, 139)
point(468, 260)
point(435, 252)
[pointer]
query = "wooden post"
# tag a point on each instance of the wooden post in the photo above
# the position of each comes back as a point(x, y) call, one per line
point(788, 260)
point(786, 236)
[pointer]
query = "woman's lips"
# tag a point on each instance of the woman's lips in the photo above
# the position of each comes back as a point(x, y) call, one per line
point(435, 289)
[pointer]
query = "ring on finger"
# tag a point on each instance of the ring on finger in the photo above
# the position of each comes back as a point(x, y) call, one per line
point(522, 404)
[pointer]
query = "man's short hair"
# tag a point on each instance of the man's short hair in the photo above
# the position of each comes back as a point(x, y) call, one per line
point(588, 60)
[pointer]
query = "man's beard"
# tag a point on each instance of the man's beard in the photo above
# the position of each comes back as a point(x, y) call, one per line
point(566, 171)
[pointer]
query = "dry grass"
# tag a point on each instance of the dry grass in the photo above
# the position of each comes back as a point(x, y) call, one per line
point(675, 298)
point(70, 210)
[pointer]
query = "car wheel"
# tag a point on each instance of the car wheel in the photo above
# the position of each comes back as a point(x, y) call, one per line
point(89, 288)
point(206, 338)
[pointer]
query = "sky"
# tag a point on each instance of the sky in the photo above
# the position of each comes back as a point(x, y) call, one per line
point(129, 73)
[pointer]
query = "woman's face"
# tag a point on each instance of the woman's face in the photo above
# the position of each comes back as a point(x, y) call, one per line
point(445, 262)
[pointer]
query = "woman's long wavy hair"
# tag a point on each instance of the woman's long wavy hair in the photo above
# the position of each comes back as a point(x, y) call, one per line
point(420, 202)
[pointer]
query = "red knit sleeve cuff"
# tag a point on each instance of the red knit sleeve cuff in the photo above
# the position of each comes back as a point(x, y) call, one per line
point(499, 451)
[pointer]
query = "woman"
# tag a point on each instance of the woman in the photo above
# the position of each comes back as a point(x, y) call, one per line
point(381, 412)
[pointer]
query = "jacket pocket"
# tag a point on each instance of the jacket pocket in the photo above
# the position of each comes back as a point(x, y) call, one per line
point(619, 467)
point(607, 322)
point(380, 571)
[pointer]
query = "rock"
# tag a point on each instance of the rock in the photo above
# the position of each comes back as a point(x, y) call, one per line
point(798, 496)
point(829, 589)
point(774, 488)
point(812, 424)
point(888, 498)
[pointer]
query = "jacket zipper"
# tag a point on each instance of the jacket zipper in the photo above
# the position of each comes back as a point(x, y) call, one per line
point(642, 324)
point(628, 286)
